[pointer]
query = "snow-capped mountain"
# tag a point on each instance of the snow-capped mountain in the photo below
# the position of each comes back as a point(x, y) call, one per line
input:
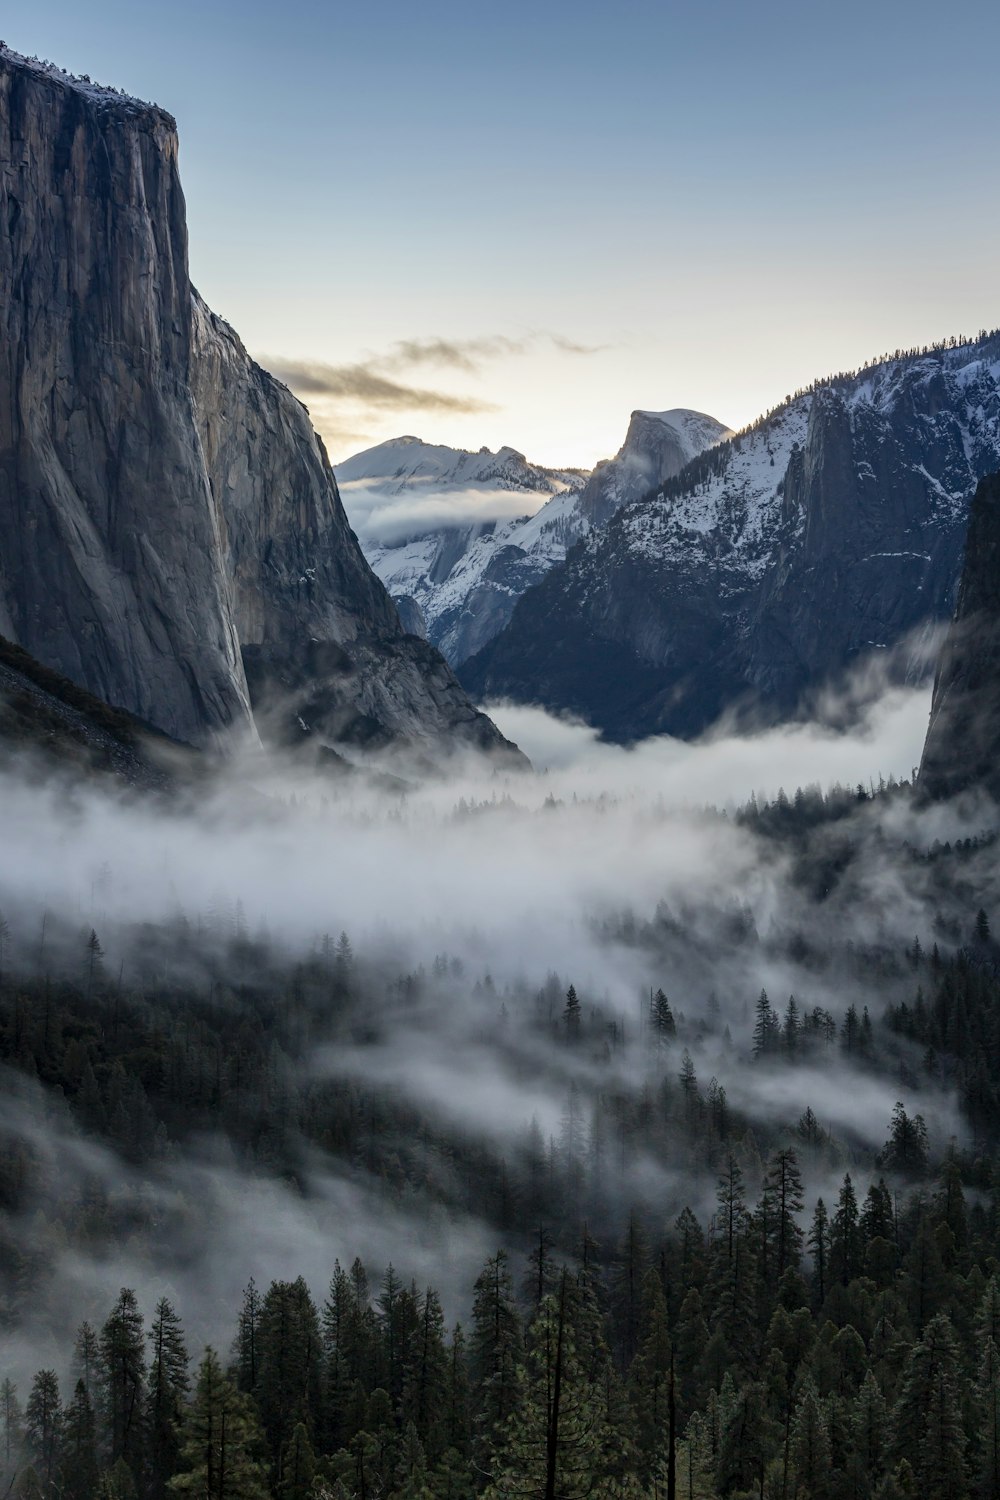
point(458, 537)
point(830, 529)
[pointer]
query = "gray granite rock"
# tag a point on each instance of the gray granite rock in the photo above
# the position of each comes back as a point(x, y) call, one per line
point(167, 513)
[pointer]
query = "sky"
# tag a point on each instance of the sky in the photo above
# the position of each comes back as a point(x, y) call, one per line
point(489, 224)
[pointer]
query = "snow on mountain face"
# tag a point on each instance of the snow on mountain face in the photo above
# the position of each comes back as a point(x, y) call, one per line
point(458, 537)
point(830, 529)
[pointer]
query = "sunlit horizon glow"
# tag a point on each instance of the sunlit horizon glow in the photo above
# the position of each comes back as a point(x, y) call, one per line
point(718, 221)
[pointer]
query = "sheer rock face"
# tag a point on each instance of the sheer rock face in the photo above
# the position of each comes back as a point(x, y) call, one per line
point(962, 749)
point(169, 523)
point(772, 563)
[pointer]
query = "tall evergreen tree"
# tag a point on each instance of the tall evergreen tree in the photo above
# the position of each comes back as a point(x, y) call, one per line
point(80, 1471)
point(926, 1427)
point(220, 1441)
point(288, 1382)
point(122, 1380)
point(43, 1425)
point(494, 1351)
point(552, 1443)
point(166, 1392)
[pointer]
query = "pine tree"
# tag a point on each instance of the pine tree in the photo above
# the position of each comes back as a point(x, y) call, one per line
point(819, 1245)
point(731, 1217)
point(791, 1034)
point(845, 1237)
point(906, 1150)
point(626, 1289)
point(93, 962)
point(926, 1426)
point(780, 1236)
point(747, 1440)
point(494, 1352)
point(988, 1421)
point(289, 1370)
point(12, 1428)
point(810, 1444)
point(664, 1026)
point(87, 1358)
point(426, 1381)
point(766, 1027)
point(338, 1320)
point(167, 1389)
point(571, 1015)
point(411, 1477)
point(121, 1378)
point(695, 1466)
point(651, 1378)
point(219, 1441)
point(690, 1341)
point(247, 1347)
point(79, 1448)
point(298, 1465)
point(552, 1443)
point(458, 1417)
point(540, 1276)
point(43, 1420)
point(867, 1437)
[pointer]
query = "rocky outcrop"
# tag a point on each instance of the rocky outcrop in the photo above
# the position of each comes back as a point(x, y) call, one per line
point(171, 535)
point(962, 749)
point(657, 447)
point(830, 530)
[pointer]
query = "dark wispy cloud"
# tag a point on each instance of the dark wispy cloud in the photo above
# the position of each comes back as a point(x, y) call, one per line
point(471, 354)
point(365, 385)
point(458, 354)
point(371, 384)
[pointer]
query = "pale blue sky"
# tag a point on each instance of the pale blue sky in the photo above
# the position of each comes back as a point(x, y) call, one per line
point(727, 199)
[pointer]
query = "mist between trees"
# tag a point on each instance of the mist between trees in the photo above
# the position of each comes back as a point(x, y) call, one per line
point(570, 1020)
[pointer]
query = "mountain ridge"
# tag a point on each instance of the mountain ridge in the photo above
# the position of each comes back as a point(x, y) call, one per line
point(831, 527)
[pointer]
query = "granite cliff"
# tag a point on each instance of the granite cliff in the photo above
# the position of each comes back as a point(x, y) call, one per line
point(171, 535)
point(962, 749)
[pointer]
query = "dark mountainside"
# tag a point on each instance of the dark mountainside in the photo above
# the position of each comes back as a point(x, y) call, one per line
point(68, 729)
point(963, 739)
point(172, 536)
point(830, 530)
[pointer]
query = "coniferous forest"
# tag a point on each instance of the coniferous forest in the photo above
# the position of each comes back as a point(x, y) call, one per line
point(750, 1248)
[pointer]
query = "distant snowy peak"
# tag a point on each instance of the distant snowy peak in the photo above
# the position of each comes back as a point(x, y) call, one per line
point(408, 464)
point(457, 537)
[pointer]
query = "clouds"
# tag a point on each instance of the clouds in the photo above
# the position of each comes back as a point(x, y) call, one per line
point(382, 520)
point(363, 385)
point(471, 355)
point(349, 397)
point(882, 734)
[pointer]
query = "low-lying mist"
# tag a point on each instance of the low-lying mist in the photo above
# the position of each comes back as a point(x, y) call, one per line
point(472, 902)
